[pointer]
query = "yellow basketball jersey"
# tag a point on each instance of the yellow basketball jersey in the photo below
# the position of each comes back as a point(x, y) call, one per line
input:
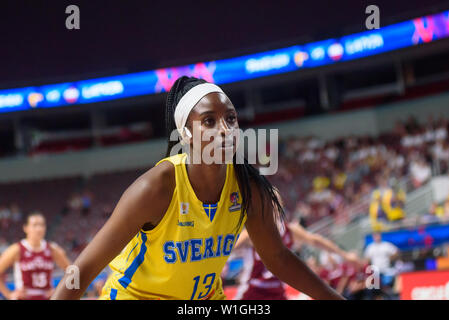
point(183, 256)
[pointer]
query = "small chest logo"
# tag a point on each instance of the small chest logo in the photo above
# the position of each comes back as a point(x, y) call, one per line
point(235, 205)
point(184, 208)
point(186, 223)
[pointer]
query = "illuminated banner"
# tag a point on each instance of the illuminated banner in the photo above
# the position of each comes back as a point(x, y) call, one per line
point(427, 285)
point(421, 237)
point(321, 53)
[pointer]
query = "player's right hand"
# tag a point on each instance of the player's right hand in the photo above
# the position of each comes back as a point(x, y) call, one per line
point(16, 295)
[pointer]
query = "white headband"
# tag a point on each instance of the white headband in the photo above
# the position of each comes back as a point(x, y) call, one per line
point(188, 102)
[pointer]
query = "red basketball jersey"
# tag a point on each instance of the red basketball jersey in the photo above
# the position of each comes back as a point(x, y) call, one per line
point(257, 282)
point(34, 269)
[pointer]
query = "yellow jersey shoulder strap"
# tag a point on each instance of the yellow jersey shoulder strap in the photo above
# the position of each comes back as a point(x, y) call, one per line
point(177, 159)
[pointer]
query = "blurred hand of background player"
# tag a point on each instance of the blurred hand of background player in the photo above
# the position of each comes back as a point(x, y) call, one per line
point(50, 293)
point(353, 258)
point(17, 294)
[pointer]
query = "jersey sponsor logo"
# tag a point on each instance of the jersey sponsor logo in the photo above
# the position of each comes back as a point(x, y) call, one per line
point(235, 205)
point(36, 263)
point(184, 208)
point(192, 250)
point(186, 223)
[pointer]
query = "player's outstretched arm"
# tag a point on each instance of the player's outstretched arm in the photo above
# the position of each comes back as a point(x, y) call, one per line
point(279, 259)
point(318, 241)
point(145, 201)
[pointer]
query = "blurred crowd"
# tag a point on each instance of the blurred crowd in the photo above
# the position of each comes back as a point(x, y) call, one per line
point(321, 178)
point(9, 215)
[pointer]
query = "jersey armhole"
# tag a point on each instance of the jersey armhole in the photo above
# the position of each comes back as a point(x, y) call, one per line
point(161, 223)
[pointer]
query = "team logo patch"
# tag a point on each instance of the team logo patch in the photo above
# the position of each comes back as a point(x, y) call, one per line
point(210, 210)
point(184, 208)
point(235, 205)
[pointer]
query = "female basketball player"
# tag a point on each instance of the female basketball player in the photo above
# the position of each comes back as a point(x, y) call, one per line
point(33, 259)
point(173, 229)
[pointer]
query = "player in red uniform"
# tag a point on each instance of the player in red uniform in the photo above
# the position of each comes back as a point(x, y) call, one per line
point(33, 259)
point(257, 282)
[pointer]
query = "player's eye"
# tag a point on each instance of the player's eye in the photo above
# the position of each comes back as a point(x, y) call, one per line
point(232, 118)
point(209, 122)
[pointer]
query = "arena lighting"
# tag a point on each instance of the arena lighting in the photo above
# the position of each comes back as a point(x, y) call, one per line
point(400, 35)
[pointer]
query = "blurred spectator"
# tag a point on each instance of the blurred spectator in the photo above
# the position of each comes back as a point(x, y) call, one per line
point(434, 215)
point(86, 201)
point(75, 203)
point(441, 130)
point(437, 213)
point(16, 213)
point(387, 205)
point(420, 172)
point(5, 217)
point(381, 255)
point(338, 180)
point(377, 216)
point(393, 202)
point(445, 217)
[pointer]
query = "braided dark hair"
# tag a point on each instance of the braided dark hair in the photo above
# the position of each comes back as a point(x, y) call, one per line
point(245, 172)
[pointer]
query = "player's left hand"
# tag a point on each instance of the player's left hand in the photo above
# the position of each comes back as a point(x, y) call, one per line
point(50, 293)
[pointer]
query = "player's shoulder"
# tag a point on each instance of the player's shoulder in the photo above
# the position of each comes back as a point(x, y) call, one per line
point(160, 177)
point(13, 250)
point(16, 245)
point(54, 246)
point(155, 183)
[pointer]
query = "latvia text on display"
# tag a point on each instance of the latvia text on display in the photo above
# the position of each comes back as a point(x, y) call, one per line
point(426, 285)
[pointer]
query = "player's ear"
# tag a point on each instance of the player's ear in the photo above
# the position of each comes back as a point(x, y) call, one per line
point(187, 135)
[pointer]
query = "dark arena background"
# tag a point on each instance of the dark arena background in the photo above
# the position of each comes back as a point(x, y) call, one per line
point(362, 114)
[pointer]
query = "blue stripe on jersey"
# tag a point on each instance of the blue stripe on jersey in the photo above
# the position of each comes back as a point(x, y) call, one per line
point(126, 279)
point(113, 294)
